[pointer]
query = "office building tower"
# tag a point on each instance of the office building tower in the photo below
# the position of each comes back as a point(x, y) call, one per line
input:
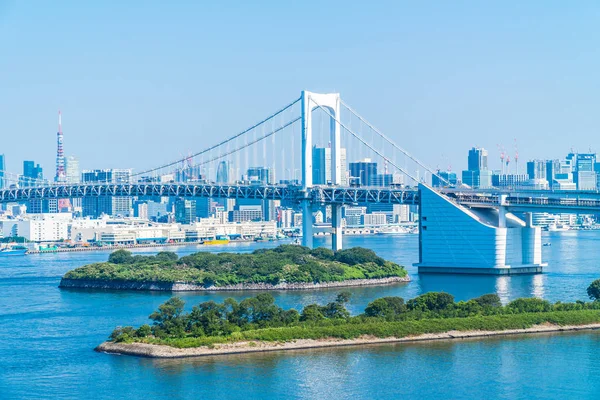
point(72, 170)
point(32, 174)
point(477, 175)
point(109, 205)
point(444, 179)
point(223, 172)
point(477, 159)
point(259, 175)
point(363, 172)
point(322, 172)
point(2, 170)
point(536, 169)
point(185, 211)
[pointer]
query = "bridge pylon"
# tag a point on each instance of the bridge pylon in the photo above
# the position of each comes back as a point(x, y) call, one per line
point(332, 102)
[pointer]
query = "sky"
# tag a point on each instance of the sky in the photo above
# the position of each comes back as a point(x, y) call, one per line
point(141, 83)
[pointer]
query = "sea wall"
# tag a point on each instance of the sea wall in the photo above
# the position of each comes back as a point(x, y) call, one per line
point(186, 287)
point(162, 351)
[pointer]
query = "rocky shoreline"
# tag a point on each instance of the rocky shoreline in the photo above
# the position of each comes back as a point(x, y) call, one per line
point(187, 287)
point(162, 351)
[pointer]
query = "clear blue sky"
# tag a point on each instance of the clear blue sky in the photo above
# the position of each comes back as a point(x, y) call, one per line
point(149, 81)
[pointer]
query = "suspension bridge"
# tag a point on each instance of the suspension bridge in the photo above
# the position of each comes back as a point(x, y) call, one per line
point(460, 229)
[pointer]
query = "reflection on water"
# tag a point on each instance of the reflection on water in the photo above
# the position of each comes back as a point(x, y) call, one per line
point(47, 336)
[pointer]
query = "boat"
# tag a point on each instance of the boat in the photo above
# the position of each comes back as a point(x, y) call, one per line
point(13, 251)
point(217, 241)
point(558, 228)
point(393, 230)
point(547, 244)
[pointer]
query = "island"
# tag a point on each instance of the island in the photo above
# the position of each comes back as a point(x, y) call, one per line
point(257, 324)
point(286, 267)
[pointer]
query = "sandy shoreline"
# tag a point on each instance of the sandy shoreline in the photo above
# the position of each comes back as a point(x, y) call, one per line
point(188, 287)
point(161, 351)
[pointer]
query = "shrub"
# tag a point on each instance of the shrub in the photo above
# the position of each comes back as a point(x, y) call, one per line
point(529, 305)
point(385, 307)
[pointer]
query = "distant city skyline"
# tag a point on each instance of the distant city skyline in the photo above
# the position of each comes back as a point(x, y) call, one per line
point(437, 79)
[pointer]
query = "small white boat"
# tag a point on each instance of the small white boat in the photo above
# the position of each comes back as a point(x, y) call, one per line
point(13, 251)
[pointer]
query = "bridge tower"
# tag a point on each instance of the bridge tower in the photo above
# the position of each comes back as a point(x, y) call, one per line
point(311, 101)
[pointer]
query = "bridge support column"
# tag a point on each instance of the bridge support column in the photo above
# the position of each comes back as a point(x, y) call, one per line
point(501, 217)
point(307, 224)
point(336, 227)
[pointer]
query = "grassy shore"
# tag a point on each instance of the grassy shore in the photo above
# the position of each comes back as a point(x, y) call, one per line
point(232, 326)
point(383, 329)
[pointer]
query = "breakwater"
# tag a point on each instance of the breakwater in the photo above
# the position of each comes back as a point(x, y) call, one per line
point(162, 351)
point(188, 287)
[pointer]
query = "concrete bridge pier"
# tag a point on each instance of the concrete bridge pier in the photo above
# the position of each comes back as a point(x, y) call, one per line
point(336, 227)
point(307, 223)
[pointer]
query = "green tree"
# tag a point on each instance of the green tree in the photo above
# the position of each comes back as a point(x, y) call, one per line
point(488, 300)
point(143, 331)
point(358, 255)
point(169, 317)
point(120, 257)
point(593, 291)
point(385, 307)
point(432, 301)
point(166, 256)
point(343, 297)
point(311, 313)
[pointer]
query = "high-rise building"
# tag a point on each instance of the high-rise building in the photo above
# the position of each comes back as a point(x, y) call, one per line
point(2, 169)
point(110, 205)
point(322, 172)
point(223, 172)
point(477, 175)
point(536, 169)
point(31, 174)
point(477, 159)
point(259, 175)
point(584, 175)
point(72, 170)
point(363, 172)
point(185, 211)
point(447, 179)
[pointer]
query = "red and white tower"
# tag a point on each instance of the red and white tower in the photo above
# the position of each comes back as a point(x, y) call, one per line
point(61, 175)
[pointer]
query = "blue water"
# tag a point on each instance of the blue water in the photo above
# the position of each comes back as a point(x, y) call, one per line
point(47, 336)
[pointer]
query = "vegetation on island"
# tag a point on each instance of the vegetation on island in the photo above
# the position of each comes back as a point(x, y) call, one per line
point(259, 318)
point(285, 263)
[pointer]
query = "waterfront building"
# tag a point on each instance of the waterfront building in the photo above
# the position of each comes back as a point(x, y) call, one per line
point(318, 217)
point(297, 219)
point(243, 213)
point(285, 219)
point(353, 214)
point(377, 218)
point(39, 228)
point(185, 211)
point(363, 172)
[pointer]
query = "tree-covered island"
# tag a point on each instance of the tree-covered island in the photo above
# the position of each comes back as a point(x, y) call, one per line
point(283, 267)
point(258, 324)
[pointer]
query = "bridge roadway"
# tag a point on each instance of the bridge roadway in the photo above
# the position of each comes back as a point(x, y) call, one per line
point(318, 194)
point(515, 201)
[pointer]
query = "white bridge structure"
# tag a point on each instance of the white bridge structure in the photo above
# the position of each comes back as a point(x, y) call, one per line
point(461, 230)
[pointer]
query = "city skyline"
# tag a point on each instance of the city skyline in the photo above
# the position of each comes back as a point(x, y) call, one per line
point(488, 91)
